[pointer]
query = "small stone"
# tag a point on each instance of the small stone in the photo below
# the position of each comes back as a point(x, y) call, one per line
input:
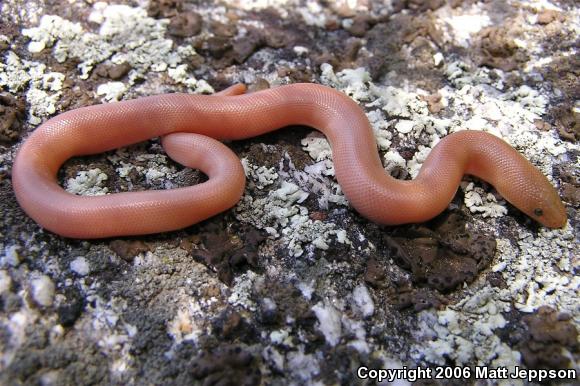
point(332, 24)
point(80, 266)
point(546, 336)
point(547, 16)
point(375, 273)
point(567, 122)
point(433, 102)
point(570, 193)
point(36, 47)
point(496, 279)
point(11, 116)
point(165, 8)
point(189, 242)
point(231, 323)
point(343, 9)
point(246, 46)
point(542, 125)
point(438, 59)
point(423, 5)
point(498, 48)
point(224, 30)
point(69, 312)
point(258, 85)
point(4, 45)
point(226, 365)
point(5, 281)
point(359, 27)
point(353, 46)
point(101, 70)
point(218, 46)
point(276, 39)
point(417, 299)
point(185, 24)
point(119, 70)
point(269, 311)
point(211, 291)
point(42, 290)
point(318, 215)
point(127, 250)
point(404, 126)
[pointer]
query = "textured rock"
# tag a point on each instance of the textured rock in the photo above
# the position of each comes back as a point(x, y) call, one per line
point(317, 290)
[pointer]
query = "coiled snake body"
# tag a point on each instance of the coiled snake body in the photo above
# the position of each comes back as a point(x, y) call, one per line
point(191, 125)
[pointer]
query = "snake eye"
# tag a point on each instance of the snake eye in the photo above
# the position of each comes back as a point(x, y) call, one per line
point(538, 212)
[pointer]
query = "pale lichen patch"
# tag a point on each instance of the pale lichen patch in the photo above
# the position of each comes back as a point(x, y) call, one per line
point(125, 35)
point(478, 201)
point(280, 213)
point(329, 319)
point(43, 86)
point(88, 183)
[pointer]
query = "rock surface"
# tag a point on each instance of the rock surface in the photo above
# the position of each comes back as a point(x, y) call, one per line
point(292, 286)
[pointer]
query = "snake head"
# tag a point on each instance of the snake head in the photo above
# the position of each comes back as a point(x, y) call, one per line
point(547, 208)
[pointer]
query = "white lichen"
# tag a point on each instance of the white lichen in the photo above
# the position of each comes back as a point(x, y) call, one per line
point(300, 50)
point(307, 289)
point(280, 213)
point(43, 86)
point(438, 59)
point(313, 14)
point(478, 201)
point(42, 290)
point(111, 91)
point(185, 325)
point(539, 269)
point(353, 82)
point(105, 326)
point(329, 322)
point(11, 256)
point(304, 367)
point(462, 25)
point(126, 34)
point(88, 183)
point(153, 168)
point(5, 281)
point(280, 5)
point(241, 291)
point(315, 178)
point(317, 146)
point(259, 177)
point(280, 336)
point(395, 164)
point(180, 75)
point(356, 329)
point(362, 301)
point(274, 358)
point(463, 332)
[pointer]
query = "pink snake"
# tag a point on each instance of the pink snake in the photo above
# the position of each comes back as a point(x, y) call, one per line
point(190, 127)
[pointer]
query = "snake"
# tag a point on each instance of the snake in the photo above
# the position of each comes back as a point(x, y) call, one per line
point(193, 127)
